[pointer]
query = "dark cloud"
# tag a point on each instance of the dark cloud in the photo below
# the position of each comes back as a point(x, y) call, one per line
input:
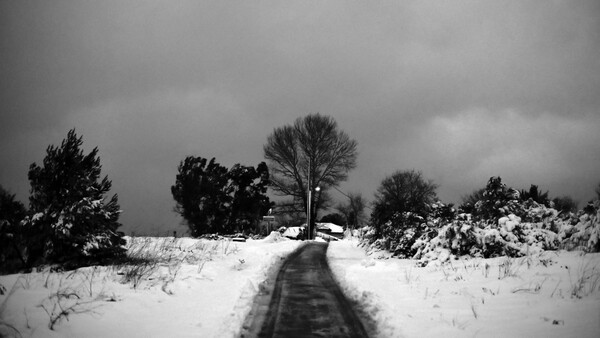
point(460, 90)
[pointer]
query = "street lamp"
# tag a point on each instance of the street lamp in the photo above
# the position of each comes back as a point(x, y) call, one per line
point(308, 228)
point(308, 203)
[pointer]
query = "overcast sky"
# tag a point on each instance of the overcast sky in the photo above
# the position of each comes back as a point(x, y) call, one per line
point(460, 90)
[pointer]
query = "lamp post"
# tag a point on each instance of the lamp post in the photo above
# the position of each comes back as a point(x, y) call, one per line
point(308, 214)
point(308, 211)
point(309, 203)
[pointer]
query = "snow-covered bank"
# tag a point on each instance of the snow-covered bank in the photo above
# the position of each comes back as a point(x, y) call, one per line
point(552, 294)
point(200, 288)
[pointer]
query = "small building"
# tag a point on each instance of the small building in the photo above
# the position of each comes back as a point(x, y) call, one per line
point(331, 229)
point(293, 232)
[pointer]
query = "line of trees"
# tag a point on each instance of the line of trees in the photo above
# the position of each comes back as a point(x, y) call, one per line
point(312, 152)
point(71, 219)
point(409, 192)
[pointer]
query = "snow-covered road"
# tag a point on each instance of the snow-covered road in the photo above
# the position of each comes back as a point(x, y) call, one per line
point(306, 301)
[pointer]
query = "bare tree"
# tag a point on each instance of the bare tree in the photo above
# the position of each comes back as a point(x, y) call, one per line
point(353, 210)
point(404, 191)
point(288, 213)
point(311, 149)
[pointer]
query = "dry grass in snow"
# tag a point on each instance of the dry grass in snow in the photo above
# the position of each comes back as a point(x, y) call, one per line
point(168, 287)
point(551, 294)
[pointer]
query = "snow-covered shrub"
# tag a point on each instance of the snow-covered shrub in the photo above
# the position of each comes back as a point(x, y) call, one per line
point(511, 236)
point(442, 213)
point(538, 213)
point(498, 201)
point(399, 234)
point(534, 194)
point(585, 233)
point(458, 236)
point(71, 220)
point(464, 236)
point(564, 204)
point(502, 225)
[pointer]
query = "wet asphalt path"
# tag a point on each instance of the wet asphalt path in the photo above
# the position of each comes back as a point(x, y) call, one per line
point(305, 301)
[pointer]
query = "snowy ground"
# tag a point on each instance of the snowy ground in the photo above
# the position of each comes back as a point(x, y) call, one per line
point(204, 288)
point(553, 294)
point(200, 288)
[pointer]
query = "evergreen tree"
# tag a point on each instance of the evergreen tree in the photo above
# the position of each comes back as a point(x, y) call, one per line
point(201, 192)
point(498, 201)
point(11, 214)
point(71, 219)
point(565, 204)
point(469, 201)
point(249, 200)
point(536, 195)
point(212, 199)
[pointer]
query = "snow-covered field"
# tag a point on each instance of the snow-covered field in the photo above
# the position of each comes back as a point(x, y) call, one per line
point(552, 294)
point(201, 288)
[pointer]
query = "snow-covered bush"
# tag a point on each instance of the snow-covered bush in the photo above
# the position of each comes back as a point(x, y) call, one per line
point(541, 228)
point(501, 224)
point(463, 236)
point(546, 229)
point(585, 232)
point(399, 234)
point(498, 201)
